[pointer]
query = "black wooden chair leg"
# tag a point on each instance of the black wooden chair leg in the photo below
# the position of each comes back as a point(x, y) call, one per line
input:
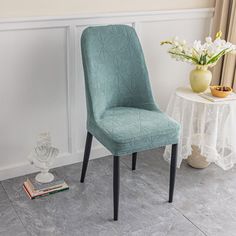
point(116, 185)
point(172, 170)
point(86, 155)
point(134, 159)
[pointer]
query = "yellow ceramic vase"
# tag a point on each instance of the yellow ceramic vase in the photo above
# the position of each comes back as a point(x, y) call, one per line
point(200, 79)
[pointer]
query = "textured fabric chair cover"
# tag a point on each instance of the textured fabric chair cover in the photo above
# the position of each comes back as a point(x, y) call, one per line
point(121, 112)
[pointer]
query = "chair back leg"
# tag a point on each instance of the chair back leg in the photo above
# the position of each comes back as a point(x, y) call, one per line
point(134, 159)
point(116, 185)
point(172, 170)
point(86, 155)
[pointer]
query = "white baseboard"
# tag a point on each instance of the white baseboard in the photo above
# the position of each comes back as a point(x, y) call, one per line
point(62, 160)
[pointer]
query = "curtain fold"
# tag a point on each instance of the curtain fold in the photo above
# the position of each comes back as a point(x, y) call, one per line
point(224, 72)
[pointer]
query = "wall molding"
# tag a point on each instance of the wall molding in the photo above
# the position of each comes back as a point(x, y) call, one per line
point(106, 18)
point(71, 25)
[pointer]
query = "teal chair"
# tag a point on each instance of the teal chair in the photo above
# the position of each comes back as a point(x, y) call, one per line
point(121, 112)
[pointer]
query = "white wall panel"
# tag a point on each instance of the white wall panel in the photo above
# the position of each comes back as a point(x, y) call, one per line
point(80, 110)
point(165, 73)
point(33, 91)
point(42, 83)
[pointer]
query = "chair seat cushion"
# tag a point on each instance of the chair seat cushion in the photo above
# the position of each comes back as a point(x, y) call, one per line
point(124, 130)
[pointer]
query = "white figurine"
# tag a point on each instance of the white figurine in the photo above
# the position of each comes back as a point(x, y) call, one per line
point(43, 156)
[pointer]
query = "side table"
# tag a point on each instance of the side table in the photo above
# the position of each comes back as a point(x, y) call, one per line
point(208, 130)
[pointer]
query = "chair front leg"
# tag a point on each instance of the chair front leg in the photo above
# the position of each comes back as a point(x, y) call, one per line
point(134, 159)
point(116, 185)
point(173, 170)
point(86, 155)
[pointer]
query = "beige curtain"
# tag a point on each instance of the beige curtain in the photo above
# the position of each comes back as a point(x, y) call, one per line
point(224, 72)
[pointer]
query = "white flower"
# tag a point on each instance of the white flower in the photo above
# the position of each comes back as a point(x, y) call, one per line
point(197, 53)
point(197, 46)
point(208, 39)
point(176, 43)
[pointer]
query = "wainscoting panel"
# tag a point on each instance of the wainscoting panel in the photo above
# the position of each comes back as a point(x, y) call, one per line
point(42, 84)
point(165, 73)
point(33, 91)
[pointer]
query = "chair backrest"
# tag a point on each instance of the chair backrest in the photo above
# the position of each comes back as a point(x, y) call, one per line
point(115, 70)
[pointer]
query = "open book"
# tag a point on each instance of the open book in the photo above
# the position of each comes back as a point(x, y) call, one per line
point(208, 96)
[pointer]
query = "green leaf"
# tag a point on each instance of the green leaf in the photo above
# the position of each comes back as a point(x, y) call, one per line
point(204, 59)
point(185, 56)
point(217, 57)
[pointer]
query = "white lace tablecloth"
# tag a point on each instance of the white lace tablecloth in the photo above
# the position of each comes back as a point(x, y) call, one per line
point(209, 125)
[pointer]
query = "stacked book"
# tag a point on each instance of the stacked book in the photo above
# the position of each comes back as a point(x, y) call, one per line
point(35, 189)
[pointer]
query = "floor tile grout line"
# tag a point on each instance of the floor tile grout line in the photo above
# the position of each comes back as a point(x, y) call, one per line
point(190, 220)
point(11, 202)
point(124, 162)
point(8, 198)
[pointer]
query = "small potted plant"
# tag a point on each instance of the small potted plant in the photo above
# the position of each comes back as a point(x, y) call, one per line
point(202, 55)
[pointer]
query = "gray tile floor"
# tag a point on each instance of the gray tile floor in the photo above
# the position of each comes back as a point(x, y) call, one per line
point(204, 202)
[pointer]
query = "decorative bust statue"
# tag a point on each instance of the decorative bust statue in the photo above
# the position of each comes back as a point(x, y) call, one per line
point(42, 156)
